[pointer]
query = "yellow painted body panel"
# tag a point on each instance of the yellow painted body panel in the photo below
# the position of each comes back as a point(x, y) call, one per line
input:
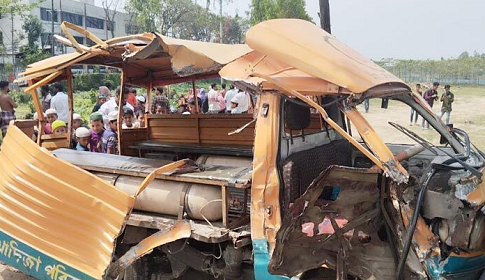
point(307, 47)
point(57, 208)
point(265, 187)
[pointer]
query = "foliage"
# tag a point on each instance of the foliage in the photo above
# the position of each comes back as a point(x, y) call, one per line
point(234, 29)
point(159, 15)
point(464, 69)
point(32, 26)
point(185, 19)
point(86, 82)
point(199, 25)
point(262, 10)
point(31, 55)
point(15, 6)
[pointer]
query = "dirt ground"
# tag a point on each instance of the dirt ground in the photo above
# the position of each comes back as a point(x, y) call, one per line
point(468, 114)
point(8, 273)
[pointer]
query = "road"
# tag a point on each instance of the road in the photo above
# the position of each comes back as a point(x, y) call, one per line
point(8, 273)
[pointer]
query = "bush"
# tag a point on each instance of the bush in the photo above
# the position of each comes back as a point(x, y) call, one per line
point(87, 82)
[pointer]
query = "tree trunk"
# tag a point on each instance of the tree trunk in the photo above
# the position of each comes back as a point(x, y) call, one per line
point(325, 15)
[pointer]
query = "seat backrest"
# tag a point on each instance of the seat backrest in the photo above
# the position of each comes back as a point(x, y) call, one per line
point(301, 168)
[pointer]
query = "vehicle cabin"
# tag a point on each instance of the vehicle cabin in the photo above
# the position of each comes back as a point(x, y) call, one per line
point(281, 192)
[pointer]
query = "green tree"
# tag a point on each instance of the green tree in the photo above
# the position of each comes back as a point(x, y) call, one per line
point(32, 26)
point(159, 15)
point(262, 10)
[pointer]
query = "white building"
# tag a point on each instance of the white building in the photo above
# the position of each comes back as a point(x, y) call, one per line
point(80, 12)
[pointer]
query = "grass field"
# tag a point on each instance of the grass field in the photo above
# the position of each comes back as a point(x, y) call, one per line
point(468, 114)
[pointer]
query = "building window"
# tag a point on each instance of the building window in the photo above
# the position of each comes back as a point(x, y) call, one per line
point(94, 22)
point(72, 18)
point(46, 14)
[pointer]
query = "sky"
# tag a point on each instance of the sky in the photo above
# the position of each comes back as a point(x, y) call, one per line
point(402, 29)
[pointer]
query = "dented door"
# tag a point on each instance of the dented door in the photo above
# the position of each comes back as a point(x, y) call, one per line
point(335, 222)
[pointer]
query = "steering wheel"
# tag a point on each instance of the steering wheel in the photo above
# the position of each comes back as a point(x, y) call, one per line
point(420, 140)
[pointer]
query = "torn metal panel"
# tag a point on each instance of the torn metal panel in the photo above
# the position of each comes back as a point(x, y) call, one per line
point(317, 228)
point(307, 47)
point(180, 230)
point(440, 205)
point(141, 54)
point(40, 193)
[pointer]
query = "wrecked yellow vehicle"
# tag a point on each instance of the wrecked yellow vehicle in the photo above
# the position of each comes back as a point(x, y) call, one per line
point(284, 192)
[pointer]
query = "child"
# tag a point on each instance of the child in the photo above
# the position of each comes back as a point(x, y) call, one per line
point(59, 127)
point(51, 117)
point(235, 109)
point(140, 105)
point(160, 104)
point(112, 139)
point(128, 119)
point(77, 121)
point(141, 120)
point(97, 129)
point(83, 137)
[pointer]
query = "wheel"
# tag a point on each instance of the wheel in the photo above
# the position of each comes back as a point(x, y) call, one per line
point(154, 266)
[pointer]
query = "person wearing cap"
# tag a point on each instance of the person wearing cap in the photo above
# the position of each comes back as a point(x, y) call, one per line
point(77, 121)
point(112, 139)
point(97, 130)
point(59, 102)
point(112, 105)
point(59, 127)
point(430, 96)
point(140, 105)
point(128, 117)
point(83, 137)
point(446, 100)
point(235, 108)
point(51, 116)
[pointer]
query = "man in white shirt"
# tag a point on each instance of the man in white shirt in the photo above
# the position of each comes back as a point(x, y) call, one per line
point(112, 106)
point(213, 100)
point(243, 98)
point(59, 102)
point(229, 96)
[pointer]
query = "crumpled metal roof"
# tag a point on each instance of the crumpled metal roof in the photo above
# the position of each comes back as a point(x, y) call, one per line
point(306, 47)
point(142, 56)
point(59, 210)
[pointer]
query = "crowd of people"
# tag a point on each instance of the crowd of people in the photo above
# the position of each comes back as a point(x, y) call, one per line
point(431, 95)
point(102, 134)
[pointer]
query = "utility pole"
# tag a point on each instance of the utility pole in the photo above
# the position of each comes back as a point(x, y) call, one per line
point(325, 15)
point(52, 34)
point(13, 41)
point(220, 14)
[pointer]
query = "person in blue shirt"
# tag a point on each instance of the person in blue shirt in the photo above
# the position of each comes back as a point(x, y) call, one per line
point(83, 136)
